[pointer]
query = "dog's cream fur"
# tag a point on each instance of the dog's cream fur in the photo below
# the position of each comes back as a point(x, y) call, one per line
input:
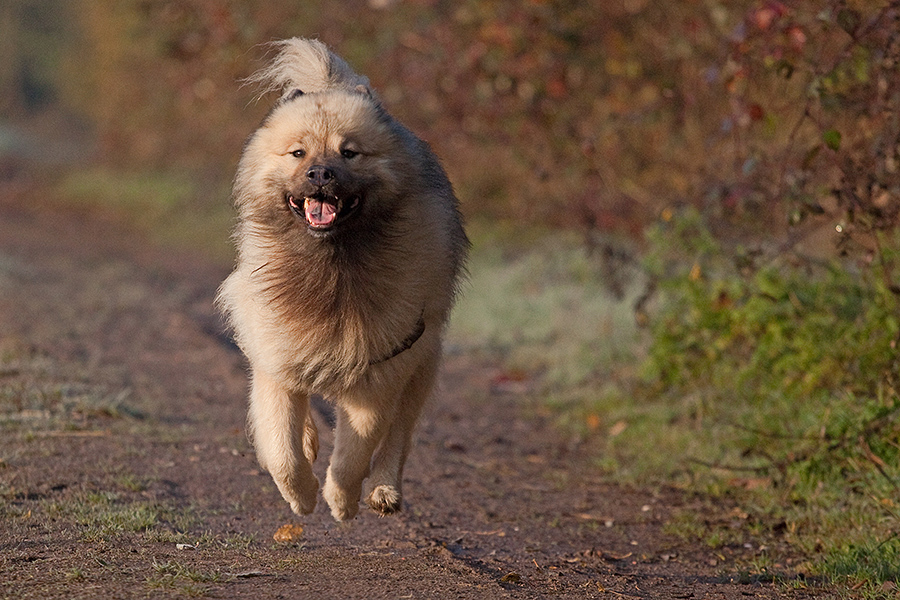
point(327, 314)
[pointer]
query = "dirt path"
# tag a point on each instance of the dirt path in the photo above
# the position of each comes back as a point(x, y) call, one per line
point(125, 471)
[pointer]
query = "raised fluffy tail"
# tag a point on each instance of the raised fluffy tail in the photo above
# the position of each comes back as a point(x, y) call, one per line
point(306, 65)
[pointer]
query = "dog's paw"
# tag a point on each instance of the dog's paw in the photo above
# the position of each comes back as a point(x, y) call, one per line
point(385, 500)
point(302, 504)
point(302, 498)
point(302, 508)
point(343, 504)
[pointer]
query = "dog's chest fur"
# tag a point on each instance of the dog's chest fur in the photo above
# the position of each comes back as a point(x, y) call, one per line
point(328, 310)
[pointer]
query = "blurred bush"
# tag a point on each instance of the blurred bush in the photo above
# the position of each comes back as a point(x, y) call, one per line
point(805, 353)
point(780, 286)
point(582, 114)
point(593, 114)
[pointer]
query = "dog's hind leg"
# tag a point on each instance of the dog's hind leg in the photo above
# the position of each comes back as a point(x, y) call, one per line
point(384, 485)
point(310, 438)
point(285, 439)
point(358, 431)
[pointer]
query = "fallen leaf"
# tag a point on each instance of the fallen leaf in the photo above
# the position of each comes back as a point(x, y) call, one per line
point(511, 382)
point(752, 483)
point(511, 577)
point(617, 429)
point(288, 533)
point(185, 547)
point(667, 214)
point(696, 272)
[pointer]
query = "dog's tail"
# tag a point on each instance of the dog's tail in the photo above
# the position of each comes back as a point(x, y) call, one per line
point(308, 66)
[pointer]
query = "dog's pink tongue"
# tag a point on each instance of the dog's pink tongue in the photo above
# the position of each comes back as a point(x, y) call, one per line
point(320, 214)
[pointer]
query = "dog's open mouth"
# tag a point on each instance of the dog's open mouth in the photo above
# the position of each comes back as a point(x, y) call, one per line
point(323, 212)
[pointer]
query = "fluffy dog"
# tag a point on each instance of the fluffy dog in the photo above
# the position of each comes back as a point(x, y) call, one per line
point(350, 248)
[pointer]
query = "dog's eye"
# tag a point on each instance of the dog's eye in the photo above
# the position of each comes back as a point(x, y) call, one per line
point(299, 153)
point(347, 153)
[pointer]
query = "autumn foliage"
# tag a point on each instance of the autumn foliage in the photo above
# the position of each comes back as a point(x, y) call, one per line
point(579, 114)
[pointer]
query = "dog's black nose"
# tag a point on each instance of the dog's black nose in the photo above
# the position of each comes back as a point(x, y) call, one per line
point(319, 175)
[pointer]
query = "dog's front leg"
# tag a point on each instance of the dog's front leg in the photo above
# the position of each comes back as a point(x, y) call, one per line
point(385, 481)
point(357, 433)
point(279, 421)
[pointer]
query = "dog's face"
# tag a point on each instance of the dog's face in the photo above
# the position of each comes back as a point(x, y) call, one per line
point(328, 162)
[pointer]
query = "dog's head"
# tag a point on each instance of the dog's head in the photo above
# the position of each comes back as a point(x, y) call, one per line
point(327, 161)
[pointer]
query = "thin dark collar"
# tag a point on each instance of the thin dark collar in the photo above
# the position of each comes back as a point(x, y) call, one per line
point(406, 344)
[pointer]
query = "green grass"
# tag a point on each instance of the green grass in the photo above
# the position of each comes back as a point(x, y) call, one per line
point(184, 579)
point(130, 482)
point(871, 570)
point(100, 515)
point(539, 305)
point(540, 302)
point(38, 393)
point(173, 208)
point(120, 509)
point(803, 462)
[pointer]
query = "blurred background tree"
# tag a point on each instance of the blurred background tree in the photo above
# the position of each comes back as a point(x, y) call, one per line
point(34, 35)
point(595, 115)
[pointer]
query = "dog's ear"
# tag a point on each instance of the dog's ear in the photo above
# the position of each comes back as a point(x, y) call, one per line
point(369, 93)
point(292, 95)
